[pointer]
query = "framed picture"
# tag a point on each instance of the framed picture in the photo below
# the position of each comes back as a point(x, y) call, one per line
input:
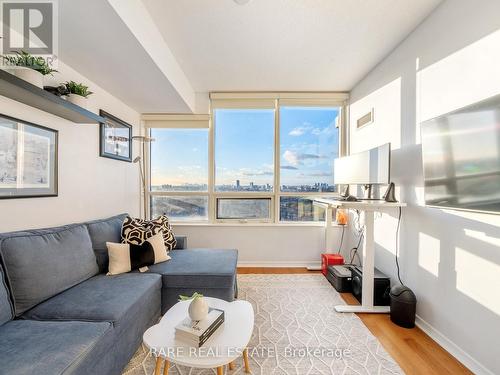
point(115, 138)
point(28, 159)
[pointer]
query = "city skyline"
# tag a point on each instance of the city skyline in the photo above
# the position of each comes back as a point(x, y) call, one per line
point(237, 186)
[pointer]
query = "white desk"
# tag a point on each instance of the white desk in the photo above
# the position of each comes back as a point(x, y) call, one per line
point(369, 208)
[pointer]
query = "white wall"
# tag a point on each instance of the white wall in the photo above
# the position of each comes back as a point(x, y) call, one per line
point(266, 245)
point(90, 186)
point(450, 259)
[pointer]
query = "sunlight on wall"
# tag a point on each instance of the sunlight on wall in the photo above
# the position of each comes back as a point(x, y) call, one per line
point(441, 86)
point(495, 241)
point(386, 126)
point(492, 220)
point(385, 232)
point(429, 253)
point(478, 279)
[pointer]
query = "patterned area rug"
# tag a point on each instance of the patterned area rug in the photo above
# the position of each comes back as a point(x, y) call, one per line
point(297, 331)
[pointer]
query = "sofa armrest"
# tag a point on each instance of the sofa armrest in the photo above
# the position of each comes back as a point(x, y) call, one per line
point(181, 242)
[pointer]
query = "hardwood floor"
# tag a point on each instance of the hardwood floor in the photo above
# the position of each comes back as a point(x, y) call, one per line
point(414, 351)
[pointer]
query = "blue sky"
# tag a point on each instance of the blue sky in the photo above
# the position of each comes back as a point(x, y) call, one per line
point(244, 148)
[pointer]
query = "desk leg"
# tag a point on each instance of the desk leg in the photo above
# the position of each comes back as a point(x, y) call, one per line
point(368, 260)
point(159, 360)
point(368, 272)
point(231, 365)
point(328, 231)
point(220, 370)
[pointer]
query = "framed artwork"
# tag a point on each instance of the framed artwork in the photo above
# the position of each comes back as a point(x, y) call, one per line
point(115, 138)
point(28, 159)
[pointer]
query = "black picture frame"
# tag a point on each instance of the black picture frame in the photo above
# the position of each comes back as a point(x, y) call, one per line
point(105, 144)
point(39, 164)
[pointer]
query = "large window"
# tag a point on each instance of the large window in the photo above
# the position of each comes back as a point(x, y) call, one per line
point(179, 169)
point(256, 161)
point(309, 141)
point(179, 160)
point(244, 149)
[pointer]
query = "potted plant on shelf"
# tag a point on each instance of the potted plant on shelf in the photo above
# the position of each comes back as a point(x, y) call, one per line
point(77, 93)
point(28, 67)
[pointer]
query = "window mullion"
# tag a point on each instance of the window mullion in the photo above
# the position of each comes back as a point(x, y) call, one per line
point(211, 168)
point(277, 152)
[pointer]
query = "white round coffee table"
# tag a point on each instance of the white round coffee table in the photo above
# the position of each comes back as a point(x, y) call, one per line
point(228, 343)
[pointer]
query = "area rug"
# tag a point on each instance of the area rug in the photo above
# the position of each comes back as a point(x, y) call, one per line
point(297, 331)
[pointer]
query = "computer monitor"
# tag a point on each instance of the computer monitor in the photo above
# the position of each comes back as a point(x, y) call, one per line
point(371, 167)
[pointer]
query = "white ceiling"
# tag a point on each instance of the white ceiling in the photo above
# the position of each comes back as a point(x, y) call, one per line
point(283, 44)
point(155, 54)
point(94, 41)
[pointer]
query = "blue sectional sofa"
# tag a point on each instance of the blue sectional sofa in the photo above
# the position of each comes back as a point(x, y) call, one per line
point(61, 314)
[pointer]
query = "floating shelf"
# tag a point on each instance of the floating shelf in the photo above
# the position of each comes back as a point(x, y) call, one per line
point(19, 90)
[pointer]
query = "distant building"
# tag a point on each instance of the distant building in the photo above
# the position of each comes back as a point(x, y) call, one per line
point(237, 184)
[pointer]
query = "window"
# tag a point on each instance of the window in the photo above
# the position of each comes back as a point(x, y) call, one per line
point(261, 159)
point(179, 160)
point(179, 168)
point(309, 142)
point(182, 208)
point(244, 208)
point(244, 150)
point(293, 208)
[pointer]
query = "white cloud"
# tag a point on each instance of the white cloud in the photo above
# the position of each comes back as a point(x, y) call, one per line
point(291, 157)
point(297, 132)
point(295, 158)
point(317, 174)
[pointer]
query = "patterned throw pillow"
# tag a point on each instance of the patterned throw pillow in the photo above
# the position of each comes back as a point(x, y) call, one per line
point(126, 257)
point(136, 231)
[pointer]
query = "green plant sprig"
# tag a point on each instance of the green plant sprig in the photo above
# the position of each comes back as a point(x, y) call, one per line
point(27, 60)
point(186, 298)
point(77, 88)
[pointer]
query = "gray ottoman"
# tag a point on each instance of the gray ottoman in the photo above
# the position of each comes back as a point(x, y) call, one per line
point(211, 272)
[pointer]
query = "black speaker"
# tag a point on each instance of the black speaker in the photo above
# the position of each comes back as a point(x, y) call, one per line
point(381, 287)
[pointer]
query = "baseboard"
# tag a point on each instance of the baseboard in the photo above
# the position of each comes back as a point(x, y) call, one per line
point(452, 348)
point(279, 264)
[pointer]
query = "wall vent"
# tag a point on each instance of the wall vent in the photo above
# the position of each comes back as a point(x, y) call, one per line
point(365, 119)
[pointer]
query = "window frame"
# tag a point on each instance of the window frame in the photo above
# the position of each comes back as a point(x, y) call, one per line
point(160, 121)
point(246, 101)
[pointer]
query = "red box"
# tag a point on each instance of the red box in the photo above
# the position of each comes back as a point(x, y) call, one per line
point(329, 260)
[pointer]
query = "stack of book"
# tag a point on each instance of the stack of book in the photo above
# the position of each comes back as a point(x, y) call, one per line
point(196, 333)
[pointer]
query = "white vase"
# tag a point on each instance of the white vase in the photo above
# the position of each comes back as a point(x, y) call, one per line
point(78, 100)
point(30, 75)
point(198, 309)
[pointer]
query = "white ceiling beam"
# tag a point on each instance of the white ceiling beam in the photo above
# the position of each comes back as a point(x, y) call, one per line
point(136, 17)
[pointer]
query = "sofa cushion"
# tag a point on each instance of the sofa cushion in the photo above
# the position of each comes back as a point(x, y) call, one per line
point(50, 348)
point(136, 231)
point(124, 257)
point(191, 268)
point(103, 298)
point(42, 263)
point(209, 272)
point(6, 311)
point(102, 231)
